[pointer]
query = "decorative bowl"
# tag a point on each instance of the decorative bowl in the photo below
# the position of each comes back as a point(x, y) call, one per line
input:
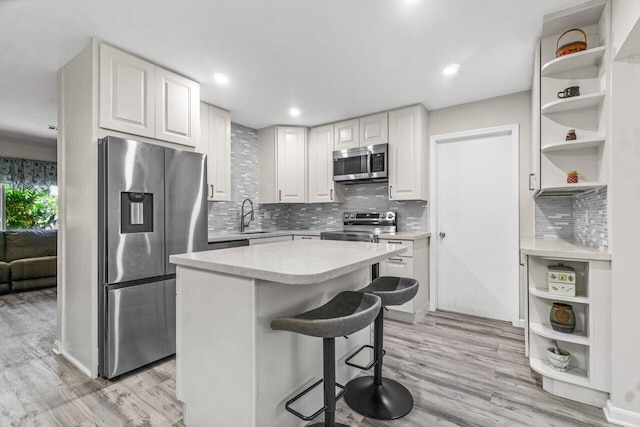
point(560, 361)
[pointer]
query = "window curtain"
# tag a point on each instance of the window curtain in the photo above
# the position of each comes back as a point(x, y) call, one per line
point(21, 173)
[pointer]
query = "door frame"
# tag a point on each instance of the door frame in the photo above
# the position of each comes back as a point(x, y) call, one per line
point(514, 131)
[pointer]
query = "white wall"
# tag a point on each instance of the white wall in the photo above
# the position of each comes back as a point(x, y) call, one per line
point(624, 228)
point(503, 110)
point(23, 150)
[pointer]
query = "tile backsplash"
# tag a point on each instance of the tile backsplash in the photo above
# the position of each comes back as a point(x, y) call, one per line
point(225, 216)
point(582, 217)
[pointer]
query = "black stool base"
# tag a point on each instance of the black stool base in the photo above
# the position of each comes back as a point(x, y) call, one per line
point(389, 401)
point(322, 424)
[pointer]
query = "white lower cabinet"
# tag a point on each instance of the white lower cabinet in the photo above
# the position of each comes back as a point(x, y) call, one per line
point(265, 240)
point(306, 237)
point(413, 263)
point(588, 377)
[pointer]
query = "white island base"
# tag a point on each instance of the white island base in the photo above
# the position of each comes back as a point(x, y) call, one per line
point(231, 368)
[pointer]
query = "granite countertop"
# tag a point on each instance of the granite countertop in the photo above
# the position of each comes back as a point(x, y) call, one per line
point(298, 262)
point(226, 237)
point(561, 248)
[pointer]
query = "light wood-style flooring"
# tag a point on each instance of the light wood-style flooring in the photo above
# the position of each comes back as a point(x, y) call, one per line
point(462, 371)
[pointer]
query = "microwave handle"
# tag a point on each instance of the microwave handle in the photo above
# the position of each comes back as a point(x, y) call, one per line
point(369, 164)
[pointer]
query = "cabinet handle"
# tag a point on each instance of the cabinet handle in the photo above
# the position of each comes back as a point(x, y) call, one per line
point(213, 190)
point(399, 260)
point(279, 195)
point(306, 238)
point(390, 191)
point(331, 194)
point(210, 191)
point(391, 242)
point(531, 175)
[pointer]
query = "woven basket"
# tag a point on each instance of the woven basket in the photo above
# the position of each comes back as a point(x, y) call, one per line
point(572, 47)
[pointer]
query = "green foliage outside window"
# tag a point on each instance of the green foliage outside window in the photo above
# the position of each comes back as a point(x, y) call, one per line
point(30, 208)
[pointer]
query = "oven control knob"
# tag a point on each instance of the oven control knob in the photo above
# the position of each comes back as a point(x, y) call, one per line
point(390, 215)
point(381, 216)
point(353, 216)
point(346, 216)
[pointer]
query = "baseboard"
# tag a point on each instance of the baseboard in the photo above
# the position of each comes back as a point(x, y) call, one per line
point(412, 318)
point(56, 348)
point(621, 417)
point(77, 364)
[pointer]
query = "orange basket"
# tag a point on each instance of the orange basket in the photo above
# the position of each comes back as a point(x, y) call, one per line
point(571, 47)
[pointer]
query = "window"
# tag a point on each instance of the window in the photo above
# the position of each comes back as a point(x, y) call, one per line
point(28, 207)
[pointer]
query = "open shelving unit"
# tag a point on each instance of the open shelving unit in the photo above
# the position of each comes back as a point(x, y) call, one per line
point(586, 113)
point(588, 344)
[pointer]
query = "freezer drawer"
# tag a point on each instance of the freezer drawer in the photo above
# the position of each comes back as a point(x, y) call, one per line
point(141, 326)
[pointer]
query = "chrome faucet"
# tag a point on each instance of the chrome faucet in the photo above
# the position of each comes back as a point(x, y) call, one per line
point(243, 215)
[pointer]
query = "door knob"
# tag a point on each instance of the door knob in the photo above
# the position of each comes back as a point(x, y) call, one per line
point(442, 234)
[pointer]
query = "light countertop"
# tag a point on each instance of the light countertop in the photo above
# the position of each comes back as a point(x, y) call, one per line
point(298, 262)
point(561, 248)
point(406, 235)
point(226, 237)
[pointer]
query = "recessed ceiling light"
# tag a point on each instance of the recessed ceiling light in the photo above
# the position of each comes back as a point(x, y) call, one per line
point(294, 112)
point(451, 69)
point(221, 79)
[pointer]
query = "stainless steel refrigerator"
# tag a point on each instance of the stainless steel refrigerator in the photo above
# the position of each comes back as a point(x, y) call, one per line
point(152, 204)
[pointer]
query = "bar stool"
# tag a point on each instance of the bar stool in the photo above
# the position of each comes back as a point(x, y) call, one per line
point(375, 396)
point(346, 313)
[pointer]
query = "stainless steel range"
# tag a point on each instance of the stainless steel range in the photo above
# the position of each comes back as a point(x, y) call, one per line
point(364, 227)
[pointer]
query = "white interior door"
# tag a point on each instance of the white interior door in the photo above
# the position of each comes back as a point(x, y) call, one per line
point(477, 224)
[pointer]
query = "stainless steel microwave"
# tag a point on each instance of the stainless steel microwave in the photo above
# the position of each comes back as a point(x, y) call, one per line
point(361, 164)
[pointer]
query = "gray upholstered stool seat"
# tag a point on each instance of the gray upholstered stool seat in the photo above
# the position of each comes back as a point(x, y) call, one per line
point(346, 313)
point(393, 290)
point(377, 397)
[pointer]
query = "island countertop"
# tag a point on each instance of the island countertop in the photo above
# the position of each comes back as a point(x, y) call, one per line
point(298, 262)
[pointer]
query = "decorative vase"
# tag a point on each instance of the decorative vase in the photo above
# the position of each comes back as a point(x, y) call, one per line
point(562, 318)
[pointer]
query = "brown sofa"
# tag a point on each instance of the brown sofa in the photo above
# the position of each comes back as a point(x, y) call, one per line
point(28, 260)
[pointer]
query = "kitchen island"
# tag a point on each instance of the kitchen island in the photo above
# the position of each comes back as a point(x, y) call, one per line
point(231, 368)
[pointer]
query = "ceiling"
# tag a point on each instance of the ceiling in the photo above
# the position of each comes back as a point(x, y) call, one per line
point(332, 59)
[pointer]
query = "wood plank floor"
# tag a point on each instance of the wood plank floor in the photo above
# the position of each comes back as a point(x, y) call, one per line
point(462, 371)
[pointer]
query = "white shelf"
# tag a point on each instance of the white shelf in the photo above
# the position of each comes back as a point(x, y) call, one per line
point(589, 100)
point(578, 144)
point(568, 189)
point(577, 337)
point(572, 375)
point(574, 61)
point(547, 295)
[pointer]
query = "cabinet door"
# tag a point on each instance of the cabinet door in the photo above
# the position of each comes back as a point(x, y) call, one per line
point(347, 134)
point(219, 154)
point(399, 267)
point(322, 189)
point(534, 176)
point(127, 93)
point(291, 165)
point(408, 154)
point(177, 108)
point(374, 129)
point(265, 240)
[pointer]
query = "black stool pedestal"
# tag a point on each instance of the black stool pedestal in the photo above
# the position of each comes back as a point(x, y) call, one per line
point(374, 396)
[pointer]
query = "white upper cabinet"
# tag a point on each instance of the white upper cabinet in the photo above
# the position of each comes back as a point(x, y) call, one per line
point(374, 129)
point(347, 134)
point(408, 174)
point(215, 142)
point(127, 92)
point(139, 98)
point(291, 164)
point(177, 106)
point(322, 189)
